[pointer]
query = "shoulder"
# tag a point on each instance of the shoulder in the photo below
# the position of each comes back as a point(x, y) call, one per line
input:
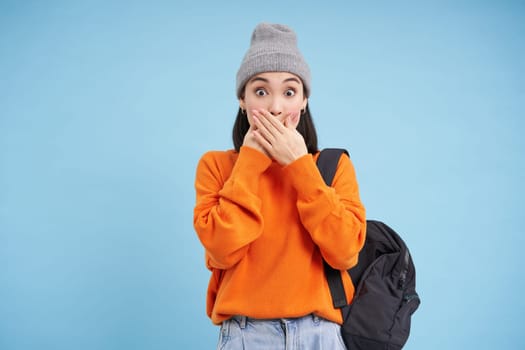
point(218, 159)
point(219, 156)
point(344, 158)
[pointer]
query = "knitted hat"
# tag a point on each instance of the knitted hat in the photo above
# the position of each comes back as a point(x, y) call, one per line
point(273, 49)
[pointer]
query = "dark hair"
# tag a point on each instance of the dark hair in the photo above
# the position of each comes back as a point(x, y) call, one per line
point(305, 127)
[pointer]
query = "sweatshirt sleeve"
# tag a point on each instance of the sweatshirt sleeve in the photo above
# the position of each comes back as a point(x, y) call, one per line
point(227, 215)
point(334, 216)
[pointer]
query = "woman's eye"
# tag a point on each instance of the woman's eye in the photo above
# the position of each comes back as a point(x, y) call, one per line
point(260, 92)
point(289, 92)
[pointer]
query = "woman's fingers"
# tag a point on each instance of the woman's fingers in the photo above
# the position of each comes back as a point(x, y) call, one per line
point(270, 122)
point(263, 129)
point(278, 136)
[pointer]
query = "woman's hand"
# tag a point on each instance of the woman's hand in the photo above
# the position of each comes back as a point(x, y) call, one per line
point(281, 141)
point(250, 140)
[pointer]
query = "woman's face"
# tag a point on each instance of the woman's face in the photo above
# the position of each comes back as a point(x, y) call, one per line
point(279, 93)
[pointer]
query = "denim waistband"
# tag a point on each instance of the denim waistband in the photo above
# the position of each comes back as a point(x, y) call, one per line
point(243, 320)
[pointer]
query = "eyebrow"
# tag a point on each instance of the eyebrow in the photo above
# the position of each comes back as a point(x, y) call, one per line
point(292, 79)
point(267, 81)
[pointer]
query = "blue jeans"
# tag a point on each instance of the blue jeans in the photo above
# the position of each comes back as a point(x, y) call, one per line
point(309, 332)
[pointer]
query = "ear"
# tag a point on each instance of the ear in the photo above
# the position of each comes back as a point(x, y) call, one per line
point(241, 103)
point(305, 103)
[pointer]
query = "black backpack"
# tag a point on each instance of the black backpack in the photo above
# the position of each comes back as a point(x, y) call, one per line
point(384, 278)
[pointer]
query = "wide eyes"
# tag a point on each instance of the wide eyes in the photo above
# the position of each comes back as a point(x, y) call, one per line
point(262, 92)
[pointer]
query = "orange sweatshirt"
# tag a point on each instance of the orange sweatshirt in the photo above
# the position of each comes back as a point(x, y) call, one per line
point(265, 229)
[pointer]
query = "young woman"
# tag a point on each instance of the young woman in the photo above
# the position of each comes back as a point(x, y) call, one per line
point(265, 216)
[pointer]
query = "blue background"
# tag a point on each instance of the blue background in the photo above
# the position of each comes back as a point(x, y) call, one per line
point(106, 107)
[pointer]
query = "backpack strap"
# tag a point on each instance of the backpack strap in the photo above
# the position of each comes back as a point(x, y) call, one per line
point(327, 164)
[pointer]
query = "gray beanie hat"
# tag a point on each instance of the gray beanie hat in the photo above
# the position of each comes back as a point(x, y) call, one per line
point(273, 49)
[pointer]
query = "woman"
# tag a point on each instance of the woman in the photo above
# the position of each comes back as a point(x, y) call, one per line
point(266, 218)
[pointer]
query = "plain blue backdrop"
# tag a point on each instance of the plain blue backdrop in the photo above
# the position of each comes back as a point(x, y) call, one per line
point(106, 107)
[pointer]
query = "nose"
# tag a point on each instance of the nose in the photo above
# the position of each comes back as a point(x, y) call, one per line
point(275, 107)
